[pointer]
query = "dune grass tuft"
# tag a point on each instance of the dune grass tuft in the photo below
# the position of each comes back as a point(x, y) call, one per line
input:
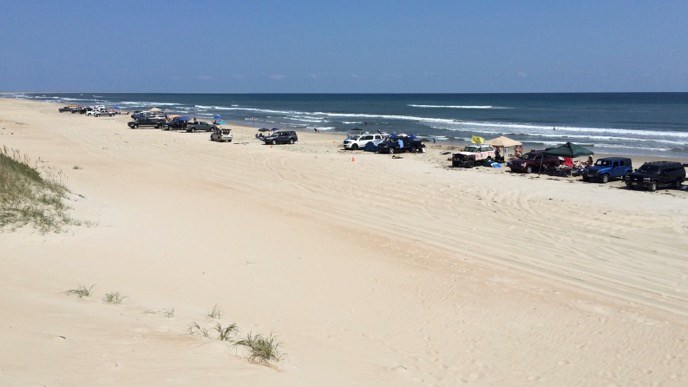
point(215, 313)
point(224, 333)
point(113, 298)
point(195, 329)
point(28, 196)
point(263, 350)
point(168, 313)
point(81, 291)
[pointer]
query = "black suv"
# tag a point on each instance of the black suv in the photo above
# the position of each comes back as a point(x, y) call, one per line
point(655, 174)
point(146, 121)
point(401, 144)
point(281, 137)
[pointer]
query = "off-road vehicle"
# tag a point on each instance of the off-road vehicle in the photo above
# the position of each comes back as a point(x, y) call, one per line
point(473, 155)
point(657, 174)
point(608, 168)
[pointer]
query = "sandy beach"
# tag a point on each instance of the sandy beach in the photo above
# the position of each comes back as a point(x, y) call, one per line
point(370, 270)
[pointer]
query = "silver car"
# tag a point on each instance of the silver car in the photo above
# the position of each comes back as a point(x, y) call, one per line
point(221, 135)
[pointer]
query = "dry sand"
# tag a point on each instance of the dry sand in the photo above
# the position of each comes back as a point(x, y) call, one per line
point(370, 270)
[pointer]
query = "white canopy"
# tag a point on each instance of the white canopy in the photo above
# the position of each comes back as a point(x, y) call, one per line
point(503, 141)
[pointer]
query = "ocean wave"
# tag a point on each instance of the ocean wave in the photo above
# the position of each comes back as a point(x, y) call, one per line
point(146, 103)
point(457, 106)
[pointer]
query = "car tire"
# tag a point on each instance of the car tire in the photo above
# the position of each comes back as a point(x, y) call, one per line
point(136, 126)
point(291, 140)
point(273, 142)
point(529, 169)
point(470, 164)
point(585, 178)
point(605, 178)
point(354, 147)
point(627, 175)
point(677, 184)
point(653, 186)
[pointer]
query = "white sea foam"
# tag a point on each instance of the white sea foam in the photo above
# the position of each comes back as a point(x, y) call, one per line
point(146, 103)
point(458, 106)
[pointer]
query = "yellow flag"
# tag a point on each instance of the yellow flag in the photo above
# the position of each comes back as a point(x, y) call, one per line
point(477, 140)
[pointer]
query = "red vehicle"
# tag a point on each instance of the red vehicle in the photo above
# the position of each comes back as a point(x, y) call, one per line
point(531, 162)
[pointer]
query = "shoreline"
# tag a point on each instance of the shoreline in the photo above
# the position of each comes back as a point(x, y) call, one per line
point(605, 135)
point(370, 269)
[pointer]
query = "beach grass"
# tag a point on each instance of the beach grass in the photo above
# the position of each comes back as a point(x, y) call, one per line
point(216, 313)
point(81, 291)
point(30, 196)
point(195, 329)
point(225, 333)
point(262, 349)
point(113, 298)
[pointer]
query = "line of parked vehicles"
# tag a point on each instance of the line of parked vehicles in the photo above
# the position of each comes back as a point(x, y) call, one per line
point(384, 143)
point(162, 121)
point(95, 111)
point(651, 175)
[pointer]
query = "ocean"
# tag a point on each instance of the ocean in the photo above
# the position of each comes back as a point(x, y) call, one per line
point(653, 124)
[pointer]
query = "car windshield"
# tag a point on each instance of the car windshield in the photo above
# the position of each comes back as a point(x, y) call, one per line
point(649, 169)
point(603, 163)
point(353, 138)
point(530, 156)
point(471, 149)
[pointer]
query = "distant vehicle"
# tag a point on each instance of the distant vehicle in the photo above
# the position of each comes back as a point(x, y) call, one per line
point(359, 141)
point(69, 109)
point(472, 155)
point(400, 143)
point(656, 174)
point(608, 168)
point(533, 160)
point(100, 112)
point(155, 122)
point(193, 127)
point(281, 137)
point(221, 135)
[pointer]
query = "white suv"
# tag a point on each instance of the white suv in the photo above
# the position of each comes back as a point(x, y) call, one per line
point(356, 141)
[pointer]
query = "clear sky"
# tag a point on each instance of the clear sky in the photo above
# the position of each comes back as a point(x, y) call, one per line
point(349, 46)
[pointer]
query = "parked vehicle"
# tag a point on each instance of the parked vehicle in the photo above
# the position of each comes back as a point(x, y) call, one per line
point(193, 127)
point(221, 135)
point(400, 143)
point(69, 109)
point(472, 155)
point(359, 141)
point(655, 174)
point(608, 168)
point(533, 160)
point(155, 122)
point(281, 137)
point(100, 112)
point(175, 125)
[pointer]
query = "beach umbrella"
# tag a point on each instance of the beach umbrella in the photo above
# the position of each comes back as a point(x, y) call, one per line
point(504, 142)
point(566, 150)
point(217, 117)
point(569, 150)
point(183, 118)
point(155, 110)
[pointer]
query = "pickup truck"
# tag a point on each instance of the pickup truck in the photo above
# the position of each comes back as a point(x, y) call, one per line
point(147, 121)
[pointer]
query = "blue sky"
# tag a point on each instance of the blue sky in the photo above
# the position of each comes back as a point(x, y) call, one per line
point(344, 46)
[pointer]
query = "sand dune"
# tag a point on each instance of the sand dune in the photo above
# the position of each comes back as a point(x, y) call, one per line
point(370, 270)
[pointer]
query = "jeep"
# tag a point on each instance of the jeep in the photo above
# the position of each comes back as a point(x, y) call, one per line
point(472, 155)
point(655, 174)
point(608, 168)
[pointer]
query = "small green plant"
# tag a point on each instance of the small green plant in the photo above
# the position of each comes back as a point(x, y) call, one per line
point(215, 313)
point(225, 333)
point(263, 349)
point(195, 329)
point(168, 313)
point(81, 291)
point(114, 298)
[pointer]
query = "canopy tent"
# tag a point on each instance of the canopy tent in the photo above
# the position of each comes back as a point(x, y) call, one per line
point(504, 142)
point(155, 110)
point(568, 150)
